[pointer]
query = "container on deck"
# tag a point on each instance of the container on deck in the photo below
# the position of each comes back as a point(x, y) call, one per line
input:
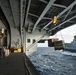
point(58, 45)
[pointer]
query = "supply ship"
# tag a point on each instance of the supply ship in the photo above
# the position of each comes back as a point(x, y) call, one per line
point(71, 46)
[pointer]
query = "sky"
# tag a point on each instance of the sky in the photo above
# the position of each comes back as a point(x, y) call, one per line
point(67, 35)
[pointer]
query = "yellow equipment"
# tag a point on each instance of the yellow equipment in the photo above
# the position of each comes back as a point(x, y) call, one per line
point(19, 49)
point(15, 51)
point(55, 21)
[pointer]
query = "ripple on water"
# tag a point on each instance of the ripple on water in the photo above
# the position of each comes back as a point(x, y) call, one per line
point(53, 63)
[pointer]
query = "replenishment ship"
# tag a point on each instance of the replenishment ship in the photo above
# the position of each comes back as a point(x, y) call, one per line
point(71, 46)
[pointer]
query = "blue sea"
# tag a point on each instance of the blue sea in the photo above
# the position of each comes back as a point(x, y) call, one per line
point(50, 62)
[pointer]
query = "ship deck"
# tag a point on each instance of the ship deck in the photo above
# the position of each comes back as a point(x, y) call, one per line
point(17, 64)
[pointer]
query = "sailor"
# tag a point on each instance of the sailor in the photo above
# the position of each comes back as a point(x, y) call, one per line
point(1, 52)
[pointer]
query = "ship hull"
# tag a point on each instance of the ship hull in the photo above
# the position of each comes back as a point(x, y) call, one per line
point(71, 50)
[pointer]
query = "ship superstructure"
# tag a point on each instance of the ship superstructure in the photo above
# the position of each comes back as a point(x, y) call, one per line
point(71, 46)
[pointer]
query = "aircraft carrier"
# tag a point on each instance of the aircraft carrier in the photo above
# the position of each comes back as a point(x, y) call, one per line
point(24, 23)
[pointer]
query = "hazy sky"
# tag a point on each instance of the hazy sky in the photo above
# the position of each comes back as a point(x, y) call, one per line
point(66, 34)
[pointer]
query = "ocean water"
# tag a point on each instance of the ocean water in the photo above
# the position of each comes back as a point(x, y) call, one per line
point(50, 62)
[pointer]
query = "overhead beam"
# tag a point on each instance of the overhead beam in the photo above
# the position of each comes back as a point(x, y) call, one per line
point(38, 16)
point(43, 23)
point(62, 23)
point(43, 13)
point(72, 22)
point(44, 1)
point(71, 5)
point(57, 5)
point(21, 20)
point(21, 13)
point(47, 18)
point(33, 15)
point(27, 11)
point(28, 27)
point(9, 19)
point(11, 6)
point(72, 12)
point(67, 13)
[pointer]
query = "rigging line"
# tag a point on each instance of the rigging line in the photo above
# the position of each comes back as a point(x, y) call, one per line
point(55, 36)
point(63, 40)
point(36, 41)
point(62, 36)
